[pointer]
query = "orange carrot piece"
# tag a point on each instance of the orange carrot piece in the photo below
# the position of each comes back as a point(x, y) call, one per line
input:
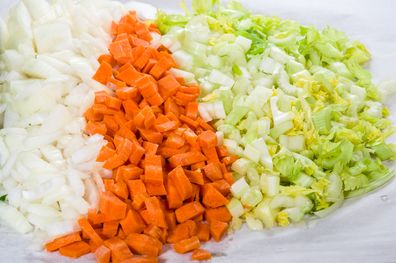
point(75, 250)
point(137, 153)
point(189, 211)
point(110, 229)
point(207, 139)
point(129, 76)
point(113, 103)
point(119, 249)
point(203, 232)
point(211, 154)
point(220, 214)
point(102, 254)
point(222, 186)
point(187, 245)
point(129, 172)
point(120, 189)
point(174, 141)
point(156, 233)
point(126, 93)
point(112, 206)
point(168, 86)
point(155, 189)
point(156, 215)
point(192, 110)
point(182, 231)
point(153, 169)
point(63, 241)
point(217, 229)
point(201, 254)
point(113, 162)
point(228, 160)
point(104, 154)
point(195, 177)
point(143, 244)
point(173, 197)
point(95, 128)
point(151, 136)
point(95, 218)
point(132, 223)
point(104, 73)
point(89, 231)
point(106, 58)
point(185, 159)
point(190, 122)
point(212, 198)
point(170, 218)
point(181, 182)
point(204, 125)
point(150, 148)
point(213, 171)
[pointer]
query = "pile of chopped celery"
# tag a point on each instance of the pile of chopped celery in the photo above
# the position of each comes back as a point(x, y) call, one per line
point(292, 102)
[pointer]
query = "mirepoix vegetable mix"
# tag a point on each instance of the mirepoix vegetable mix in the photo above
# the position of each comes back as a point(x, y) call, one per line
point(293, 102)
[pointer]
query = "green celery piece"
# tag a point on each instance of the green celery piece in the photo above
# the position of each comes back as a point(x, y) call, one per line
point(165, 22)
point(372, 185)
point(383, 151)
point(281, 129)
point(236, 115)
point(204, 6)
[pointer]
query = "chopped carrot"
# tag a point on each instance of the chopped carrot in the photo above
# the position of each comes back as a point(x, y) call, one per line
point(119, 249)
point(132, 223)
point(110, 229)
point(168, 172)
point(222, 186)
point(89, 231)
point(182, 231)
point(201, 254)
point(156, 215)
point(195, 177)
point(185, 159)
point(213, 171)
point(104, 72)
point(105, 153)
point(63, 241)
point(75, 250)
point(156, 232)
point(181, 182)
point(220, 214)
point(212, 198)
point(102, 254)
point(112, 206)
point(217, 229)
point(203, 232)
point(143, 244)
point(168, 86)
point(187, 245)
point(211, 154)
point(95, 128)
point(189, 211)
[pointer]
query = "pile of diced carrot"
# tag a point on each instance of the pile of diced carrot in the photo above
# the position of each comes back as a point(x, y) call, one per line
point(171, 179)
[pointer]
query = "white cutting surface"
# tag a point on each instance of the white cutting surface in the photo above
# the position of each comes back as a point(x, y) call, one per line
point(363, 230)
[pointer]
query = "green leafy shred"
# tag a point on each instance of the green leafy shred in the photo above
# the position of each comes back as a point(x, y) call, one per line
point(3, 198)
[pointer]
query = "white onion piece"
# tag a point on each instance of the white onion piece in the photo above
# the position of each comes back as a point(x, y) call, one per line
point(14, 218)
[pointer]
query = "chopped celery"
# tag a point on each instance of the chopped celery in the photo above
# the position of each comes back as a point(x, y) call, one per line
point(294, 103)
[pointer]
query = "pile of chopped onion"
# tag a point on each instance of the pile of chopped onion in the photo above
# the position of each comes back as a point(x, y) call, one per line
point(48, 171)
